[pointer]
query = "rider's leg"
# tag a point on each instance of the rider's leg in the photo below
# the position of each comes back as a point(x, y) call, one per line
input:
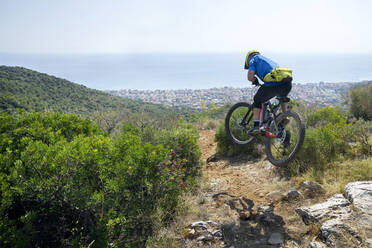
point(256, 114)
point(283, 94)
point(256, 124)
point(284, 106)
point(283, 91)
point(263, 94)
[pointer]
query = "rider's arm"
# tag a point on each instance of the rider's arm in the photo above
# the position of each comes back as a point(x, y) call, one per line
point(251, 75)
point(251, 72)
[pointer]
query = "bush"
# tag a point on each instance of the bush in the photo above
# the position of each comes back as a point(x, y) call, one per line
point(329, 138)
point(361, 102)
point(226, 147)
point(325, 116)
point(63, 183)
point(362, 131)
point(43, 164)
point(182, 139)
point(325, 144)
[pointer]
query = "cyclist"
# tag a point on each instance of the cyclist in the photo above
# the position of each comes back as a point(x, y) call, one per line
point(277, 82)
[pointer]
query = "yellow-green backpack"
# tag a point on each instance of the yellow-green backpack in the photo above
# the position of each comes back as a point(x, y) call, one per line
point(278, 74)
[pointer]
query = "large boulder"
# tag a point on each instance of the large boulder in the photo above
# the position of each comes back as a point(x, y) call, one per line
point(346, 220)
point(360, 195)
point(334, 207)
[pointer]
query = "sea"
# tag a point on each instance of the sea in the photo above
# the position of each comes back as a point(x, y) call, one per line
point(186, 71)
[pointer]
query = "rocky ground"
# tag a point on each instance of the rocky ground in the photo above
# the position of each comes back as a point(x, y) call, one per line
point(244, 203)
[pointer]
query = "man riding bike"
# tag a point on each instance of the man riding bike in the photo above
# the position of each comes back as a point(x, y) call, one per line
point(277, 82)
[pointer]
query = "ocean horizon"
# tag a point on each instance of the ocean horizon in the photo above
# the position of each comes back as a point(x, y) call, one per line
point(187, 71)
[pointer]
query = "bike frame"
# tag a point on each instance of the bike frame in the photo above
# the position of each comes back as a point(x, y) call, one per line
point(272, 113)
point(272, 109)
point(271, 117)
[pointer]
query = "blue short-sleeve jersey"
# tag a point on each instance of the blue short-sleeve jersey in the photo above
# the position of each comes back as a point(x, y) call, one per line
point(262, 66)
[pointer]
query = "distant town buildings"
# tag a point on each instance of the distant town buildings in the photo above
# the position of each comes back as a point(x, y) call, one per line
point(321, 94)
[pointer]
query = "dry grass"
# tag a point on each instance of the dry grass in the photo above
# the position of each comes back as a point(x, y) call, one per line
point(208, 124)
point(171, 236)
point(194, 206)
point(335, 176)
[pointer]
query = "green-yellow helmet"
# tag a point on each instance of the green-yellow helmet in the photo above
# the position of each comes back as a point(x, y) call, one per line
point(250, 55)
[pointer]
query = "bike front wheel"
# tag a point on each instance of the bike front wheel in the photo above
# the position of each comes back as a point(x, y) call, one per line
point(290, 132)
point(238, 121)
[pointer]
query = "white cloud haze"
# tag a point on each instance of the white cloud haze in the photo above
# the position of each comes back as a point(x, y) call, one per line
point(114, 26)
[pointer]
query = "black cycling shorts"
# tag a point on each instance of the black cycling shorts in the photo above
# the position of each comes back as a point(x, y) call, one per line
point(265, 93)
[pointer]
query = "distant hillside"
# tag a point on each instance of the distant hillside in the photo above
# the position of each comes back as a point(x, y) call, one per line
point(31, 90)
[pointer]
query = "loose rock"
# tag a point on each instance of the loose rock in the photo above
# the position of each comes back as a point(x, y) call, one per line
point(204, 231)
point(213, 223)
point(189, 234)
point(217, 234)
point(316, 244)
point(200, 224)
point(275, 195)
point(275, 239)
point(293, 194)
point(205, 238)
point(245, 215)
point(212, 158)
point(311, 189)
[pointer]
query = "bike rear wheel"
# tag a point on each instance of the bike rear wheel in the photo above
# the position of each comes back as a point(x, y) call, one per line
point(290, 137)
point(238, 121)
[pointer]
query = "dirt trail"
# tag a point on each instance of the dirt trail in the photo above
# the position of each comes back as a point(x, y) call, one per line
point(249, 199)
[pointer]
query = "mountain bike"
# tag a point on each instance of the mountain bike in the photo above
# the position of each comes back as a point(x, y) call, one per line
point(284, 132)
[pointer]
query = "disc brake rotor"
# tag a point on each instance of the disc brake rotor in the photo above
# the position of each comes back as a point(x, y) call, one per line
point(239, 123)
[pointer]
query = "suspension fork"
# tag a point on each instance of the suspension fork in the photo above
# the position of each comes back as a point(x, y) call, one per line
point(250, 110)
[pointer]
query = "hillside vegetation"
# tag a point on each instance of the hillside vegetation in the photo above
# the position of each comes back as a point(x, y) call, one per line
point(34, 91)
point(115, 175)
point(67, 182)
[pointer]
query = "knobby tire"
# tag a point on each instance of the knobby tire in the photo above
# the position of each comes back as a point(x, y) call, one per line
point(228, 123)
point(301, 133)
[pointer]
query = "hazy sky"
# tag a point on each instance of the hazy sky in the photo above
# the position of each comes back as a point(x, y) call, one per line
point(111, 26)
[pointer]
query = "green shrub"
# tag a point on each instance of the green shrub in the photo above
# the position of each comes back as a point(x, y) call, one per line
point(44, 162)
point(325, 116)
point(362, 135)
point(325, 144)
point(329, 138)
point(360, 101)
point(182, 139)
point(63, 183)
point(226, 147)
